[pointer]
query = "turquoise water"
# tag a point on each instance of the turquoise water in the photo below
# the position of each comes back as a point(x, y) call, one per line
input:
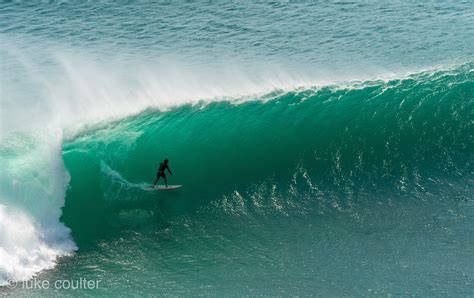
point(324, 149)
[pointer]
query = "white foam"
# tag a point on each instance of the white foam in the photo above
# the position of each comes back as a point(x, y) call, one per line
point(33, 183)
point(27, 247)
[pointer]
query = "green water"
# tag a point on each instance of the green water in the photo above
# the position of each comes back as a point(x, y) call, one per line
point(278, 204)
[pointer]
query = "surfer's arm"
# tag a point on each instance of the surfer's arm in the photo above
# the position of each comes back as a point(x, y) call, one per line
point(169, 170)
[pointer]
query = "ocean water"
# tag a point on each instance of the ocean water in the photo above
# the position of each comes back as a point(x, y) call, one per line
point(324, 148)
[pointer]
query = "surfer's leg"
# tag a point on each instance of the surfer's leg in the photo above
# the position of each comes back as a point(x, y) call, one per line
point(166, 181)
point(156, 181)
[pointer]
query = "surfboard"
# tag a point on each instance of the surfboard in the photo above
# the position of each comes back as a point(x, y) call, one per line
point(163, 187)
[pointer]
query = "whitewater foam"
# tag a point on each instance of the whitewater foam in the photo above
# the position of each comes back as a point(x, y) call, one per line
point(27, 246)
point(33, 182)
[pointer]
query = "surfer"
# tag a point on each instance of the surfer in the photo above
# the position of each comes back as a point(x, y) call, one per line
point(161, 172)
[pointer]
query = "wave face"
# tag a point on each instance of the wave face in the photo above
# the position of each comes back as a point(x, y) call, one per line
point(286, 152)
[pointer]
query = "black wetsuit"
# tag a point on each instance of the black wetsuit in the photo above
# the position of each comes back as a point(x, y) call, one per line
point(161, 171)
